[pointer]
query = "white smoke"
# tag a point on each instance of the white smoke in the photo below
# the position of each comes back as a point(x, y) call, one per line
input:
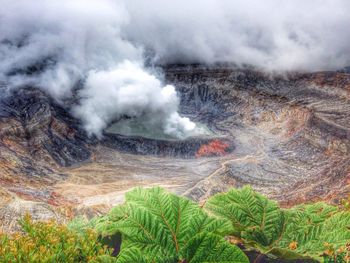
point(81, 40)
point(129, 90)
point(58, 44)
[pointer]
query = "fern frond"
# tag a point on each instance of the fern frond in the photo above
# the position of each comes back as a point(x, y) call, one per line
point(168, 228)
point(263, 225)
point(252, 215)
point(220, 250)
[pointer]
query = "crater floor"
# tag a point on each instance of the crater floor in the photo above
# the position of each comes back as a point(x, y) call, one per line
point(286, 135)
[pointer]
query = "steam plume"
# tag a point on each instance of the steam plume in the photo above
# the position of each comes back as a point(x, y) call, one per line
point(129, 90)
point(57, 44)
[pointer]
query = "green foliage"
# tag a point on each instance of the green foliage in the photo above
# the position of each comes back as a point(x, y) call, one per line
point(157, 226)
point(341, 255)
point(51, 242)
point(346, 204)
point(293, 233)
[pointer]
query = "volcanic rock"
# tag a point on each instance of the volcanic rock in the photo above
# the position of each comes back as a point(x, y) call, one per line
point(287, 135)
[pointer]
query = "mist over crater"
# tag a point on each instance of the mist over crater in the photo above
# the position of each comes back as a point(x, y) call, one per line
point(100, 96)
point(108, 48)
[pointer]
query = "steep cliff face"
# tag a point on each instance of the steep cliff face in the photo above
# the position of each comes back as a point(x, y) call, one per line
point(37, 138)
point(291, 132)
point(286, 135)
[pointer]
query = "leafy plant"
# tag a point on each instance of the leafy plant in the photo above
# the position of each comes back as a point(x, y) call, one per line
point(51, 242)
point(285, 233)
point(345, 204)
point(332, 255)
point(157, 226)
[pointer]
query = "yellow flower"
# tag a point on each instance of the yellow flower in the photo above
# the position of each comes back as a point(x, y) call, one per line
point(42, 249)
point(293, 245)
point(347, 246)
point(340, 250)
point(329, 252)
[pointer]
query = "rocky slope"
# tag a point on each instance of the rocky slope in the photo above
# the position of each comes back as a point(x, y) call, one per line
point(291, 132)
point(286, 135)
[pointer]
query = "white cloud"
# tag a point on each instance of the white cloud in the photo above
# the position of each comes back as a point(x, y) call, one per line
point(90, 40)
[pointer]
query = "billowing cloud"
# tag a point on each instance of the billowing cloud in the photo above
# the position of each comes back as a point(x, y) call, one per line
point(271, 34)
point(99, 47)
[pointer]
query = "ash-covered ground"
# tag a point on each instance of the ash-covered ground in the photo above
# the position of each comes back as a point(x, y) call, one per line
point(286, 135)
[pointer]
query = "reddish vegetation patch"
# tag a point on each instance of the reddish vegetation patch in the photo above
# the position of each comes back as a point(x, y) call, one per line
point(213, 148)
point(62, 128)
point(57, 199)
point(293, 127)
point(331, 79)
point(347, 179)
point(25, 196)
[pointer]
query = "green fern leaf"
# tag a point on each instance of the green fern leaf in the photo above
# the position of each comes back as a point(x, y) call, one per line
point(262, 225)
point(168, 228)
point(253, 216)
point(220, 250)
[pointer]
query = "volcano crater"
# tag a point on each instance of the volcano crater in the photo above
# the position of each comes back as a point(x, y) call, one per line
point(287, 135)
